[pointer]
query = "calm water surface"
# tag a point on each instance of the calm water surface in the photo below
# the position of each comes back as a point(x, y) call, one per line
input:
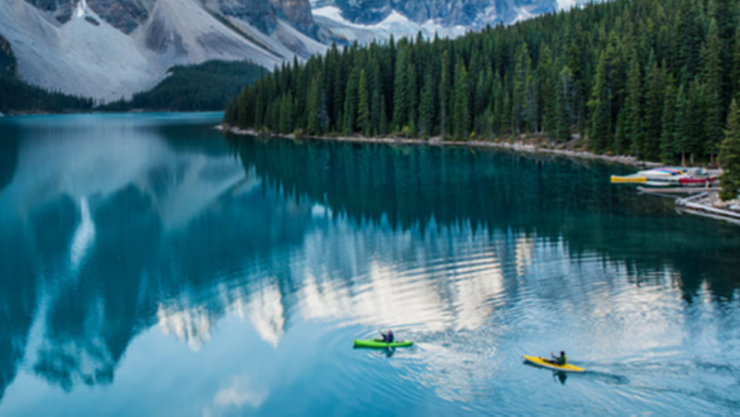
point(151, 267)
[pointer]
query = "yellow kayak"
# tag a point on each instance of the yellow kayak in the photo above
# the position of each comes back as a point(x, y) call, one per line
point(540, 361)
point(628, 179)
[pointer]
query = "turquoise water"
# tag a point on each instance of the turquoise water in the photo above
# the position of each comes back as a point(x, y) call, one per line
point(150, 266)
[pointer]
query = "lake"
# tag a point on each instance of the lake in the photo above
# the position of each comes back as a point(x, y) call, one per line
point(151, 266)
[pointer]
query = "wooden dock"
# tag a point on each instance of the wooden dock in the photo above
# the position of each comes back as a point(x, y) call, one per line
point(677, 190)
point(698, 204)
point(699, 201)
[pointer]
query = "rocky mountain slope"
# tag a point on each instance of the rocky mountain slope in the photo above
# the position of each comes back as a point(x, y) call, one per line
point(108, 49)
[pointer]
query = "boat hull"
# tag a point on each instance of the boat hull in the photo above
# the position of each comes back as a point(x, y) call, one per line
point(379, 344)
point(542, 362)
point(616, 179)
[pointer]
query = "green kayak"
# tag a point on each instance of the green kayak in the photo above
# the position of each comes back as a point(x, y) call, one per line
point(378, 343)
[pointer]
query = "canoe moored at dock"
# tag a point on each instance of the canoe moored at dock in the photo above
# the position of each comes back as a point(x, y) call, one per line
point(629, 179)
point(696, 180)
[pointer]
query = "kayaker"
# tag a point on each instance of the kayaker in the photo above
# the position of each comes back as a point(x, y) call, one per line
point(387, 336)
point(559, 360)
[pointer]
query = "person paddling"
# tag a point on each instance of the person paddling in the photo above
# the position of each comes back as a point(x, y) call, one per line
point(387, 336)
point(558, 360)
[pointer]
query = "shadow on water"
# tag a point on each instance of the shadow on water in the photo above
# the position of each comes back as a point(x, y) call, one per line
point(607, 378)
point(387, 352)
point(557, 376)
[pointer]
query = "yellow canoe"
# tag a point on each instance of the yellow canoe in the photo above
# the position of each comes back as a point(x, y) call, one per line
point(617, 179)
point(540, 361)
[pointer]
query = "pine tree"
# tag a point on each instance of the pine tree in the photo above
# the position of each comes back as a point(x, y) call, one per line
point(444, 94)
point(735, 73)
point(230, 113)
point(285, 124)
point(400, 90)
point(314, 104)
point(547, 91)
point(426, 106)
point(575, 62)
point(363, 105)
point(688, 40)
point(683, 123)
point(600, 131)
point(729, 156)
point(412, 97)
point(461, 109)
point(622, 130)
point(669, 124)
point(522, 84)
point(498, 106)
point(479, 103)
point(375, 92)
point(564, 119)
point(632, 113)
point(383, 116)
point(694, 128)
point(244, 115)
point(712, 97)
point(324, 118)
point(350, 104)
point(653, 113)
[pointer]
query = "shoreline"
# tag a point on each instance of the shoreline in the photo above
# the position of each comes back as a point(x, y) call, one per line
point(517, 146)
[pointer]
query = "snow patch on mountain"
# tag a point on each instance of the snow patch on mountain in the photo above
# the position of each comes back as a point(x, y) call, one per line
point(567, 4)
point(523, 14)
point(395, 24)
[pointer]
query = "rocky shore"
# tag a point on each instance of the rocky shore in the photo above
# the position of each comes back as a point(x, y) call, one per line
point(526, 144)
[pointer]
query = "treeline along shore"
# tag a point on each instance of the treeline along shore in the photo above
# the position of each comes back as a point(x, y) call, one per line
point(651, 79)
point(529, 145)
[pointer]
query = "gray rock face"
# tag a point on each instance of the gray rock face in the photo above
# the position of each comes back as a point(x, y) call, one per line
point(60, 9)
point(124, 15)
point(365, 11)
point(259, 13)
point(297, 13)
point(127, 15)
point(470, 13)
point(263, 14)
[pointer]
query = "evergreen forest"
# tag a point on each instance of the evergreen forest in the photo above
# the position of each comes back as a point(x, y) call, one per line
point(206, 86)
point(16, 96)
point(649, 78)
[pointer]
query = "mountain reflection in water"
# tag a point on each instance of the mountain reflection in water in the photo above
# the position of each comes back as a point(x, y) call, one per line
point(104, 236)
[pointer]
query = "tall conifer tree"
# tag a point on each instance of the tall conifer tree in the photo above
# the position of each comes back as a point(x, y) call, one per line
point(729, 155)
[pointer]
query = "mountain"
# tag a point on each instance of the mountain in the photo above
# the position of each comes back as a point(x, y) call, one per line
point(108, 49)
point(472, 14)
point(364, 20)
point(111, 49)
